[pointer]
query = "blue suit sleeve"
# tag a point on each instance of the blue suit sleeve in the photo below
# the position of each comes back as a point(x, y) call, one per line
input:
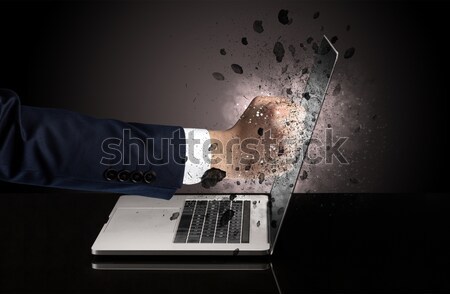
point(64, 149)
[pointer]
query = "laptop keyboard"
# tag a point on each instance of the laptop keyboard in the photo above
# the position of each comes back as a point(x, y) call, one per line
point(214, 221)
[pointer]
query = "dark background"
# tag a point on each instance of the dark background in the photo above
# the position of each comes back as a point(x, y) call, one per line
point(152, 62)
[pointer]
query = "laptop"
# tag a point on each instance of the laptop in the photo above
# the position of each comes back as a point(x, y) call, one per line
point(215, 224)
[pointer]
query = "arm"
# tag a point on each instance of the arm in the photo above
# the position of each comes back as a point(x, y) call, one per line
point(63, 149)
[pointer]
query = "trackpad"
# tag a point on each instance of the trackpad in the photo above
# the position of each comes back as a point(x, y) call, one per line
point(143, 225)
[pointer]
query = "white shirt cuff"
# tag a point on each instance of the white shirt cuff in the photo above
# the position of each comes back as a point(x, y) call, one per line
point(198, 156)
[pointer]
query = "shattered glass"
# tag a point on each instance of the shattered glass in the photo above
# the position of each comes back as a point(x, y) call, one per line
point(316, 87)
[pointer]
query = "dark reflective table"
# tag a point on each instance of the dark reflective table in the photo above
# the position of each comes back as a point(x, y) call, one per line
point(329, 243)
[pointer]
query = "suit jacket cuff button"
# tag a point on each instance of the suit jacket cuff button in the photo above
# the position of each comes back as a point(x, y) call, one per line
point(110, 174)
point(149, 176)
point(123, 175)
point(137, 177)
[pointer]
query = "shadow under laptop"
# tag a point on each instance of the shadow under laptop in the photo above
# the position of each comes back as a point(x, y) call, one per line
point(103, 262)
point(187, 274)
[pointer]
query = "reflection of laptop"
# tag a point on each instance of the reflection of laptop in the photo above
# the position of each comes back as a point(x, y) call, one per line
point(219, 224)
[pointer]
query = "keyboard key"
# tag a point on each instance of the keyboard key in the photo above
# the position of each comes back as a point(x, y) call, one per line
point(197, 222)
point(235, 223)
point(222, 229)
point(246, 222)
point(185, 221)
point(210, 222)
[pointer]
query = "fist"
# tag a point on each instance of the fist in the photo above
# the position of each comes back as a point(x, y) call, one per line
point(263, 142)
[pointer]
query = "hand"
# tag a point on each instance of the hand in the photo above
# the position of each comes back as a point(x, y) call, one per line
point(262, 143)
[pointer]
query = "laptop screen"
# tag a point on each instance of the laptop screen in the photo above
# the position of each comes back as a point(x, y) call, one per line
point(312, 100)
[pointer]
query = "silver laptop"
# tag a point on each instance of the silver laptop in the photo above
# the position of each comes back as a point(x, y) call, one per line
point(217, 224)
